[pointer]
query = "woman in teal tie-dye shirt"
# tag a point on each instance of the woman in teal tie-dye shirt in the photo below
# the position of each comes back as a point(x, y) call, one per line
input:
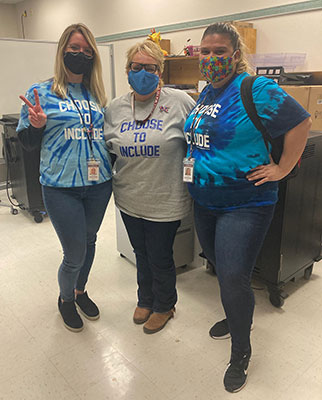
point(64, 116)
point(235, 183)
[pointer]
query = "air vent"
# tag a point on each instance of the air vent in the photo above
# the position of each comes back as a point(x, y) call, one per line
point(308, 151)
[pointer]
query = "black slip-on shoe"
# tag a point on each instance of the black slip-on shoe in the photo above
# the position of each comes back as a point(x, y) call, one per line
point(87, 307)
point(71, 318)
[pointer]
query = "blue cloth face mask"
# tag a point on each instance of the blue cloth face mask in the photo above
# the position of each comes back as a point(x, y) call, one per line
point(143, 82)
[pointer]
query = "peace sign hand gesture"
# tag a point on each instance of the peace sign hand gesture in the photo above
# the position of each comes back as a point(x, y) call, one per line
point(37, 117)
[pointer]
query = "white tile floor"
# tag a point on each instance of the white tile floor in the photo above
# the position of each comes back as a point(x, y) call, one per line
point(113, 359)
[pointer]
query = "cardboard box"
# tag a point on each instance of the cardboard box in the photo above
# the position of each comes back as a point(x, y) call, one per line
point(165, 45)
point(315, 107)
point(248, 34)
point(300, 93)
point(242, 24)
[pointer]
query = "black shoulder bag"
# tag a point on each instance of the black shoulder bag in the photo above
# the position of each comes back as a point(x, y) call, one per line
point(276, 143)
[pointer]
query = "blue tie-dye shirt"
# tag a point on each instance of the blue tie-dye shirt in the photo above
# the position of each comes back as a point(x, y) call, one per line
point(227, 144)
point(65, 147)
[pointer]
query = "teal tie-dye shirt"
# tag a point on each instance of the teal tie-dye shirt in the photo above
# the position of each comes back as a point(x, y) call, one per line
point(65, 147)
point(227, 144)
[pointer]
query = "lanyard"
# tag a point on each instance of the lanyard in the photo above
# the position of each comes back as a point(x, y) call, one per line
point(89, 131)
point(156, 100)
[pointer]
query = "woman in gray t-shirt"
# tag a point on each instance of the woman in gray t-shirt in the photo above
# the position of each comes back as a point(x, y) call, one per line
point(144, 130)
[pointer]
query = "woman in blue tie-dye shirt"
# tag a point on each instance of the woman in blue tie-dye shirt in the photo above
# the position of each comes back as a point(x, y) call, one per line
point(235, 182)
point(64, 115)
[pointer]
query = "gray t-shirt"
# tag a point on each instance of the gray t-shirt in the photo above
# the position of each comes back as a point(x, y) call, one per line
point(148, 180)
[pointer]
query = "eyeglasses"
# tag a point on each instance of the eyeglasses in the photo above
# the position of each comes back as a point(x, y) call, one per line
point(88, 52)
point(136, 67)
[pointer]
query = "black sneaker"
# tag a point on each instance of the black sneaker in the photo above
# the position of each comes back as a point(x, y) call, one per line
point(70, 316)
point(220, 330)
point(87, 307)
point(236, 372)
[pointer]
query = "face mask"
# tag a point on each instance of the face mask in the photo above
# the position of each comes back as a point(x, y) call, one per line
point(143, 82)
point(78, 63)
point(215, 69)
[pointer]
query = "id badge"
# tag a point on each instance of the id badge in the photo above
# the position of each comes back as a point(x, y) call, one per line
point(93, 170)
point(188, 166)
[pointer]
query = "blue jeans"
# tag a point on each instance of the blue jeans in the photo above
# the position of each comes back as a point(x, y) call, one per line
point(76, 214)
point(231, 241)
point(156, 273)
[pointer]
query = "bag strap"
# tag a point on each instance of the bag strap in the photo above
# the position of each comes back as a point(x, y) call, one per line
point(248, 102)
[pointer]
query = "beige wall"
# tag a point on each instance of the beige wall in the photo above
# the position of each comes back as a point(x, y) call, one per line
point(296, 33)
point(8, 21)
point(46, 19)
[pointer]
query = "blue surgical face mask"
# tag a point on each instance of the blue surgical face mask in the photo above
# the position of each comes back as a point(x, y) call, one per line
point(143, 82)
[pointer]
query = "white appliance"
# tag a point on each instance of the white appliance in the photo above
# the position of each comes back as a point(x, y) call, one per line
point(183, 249)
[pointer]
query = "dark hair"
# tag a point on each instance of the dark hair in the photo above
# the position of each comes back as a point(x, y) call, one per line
point(225, 28)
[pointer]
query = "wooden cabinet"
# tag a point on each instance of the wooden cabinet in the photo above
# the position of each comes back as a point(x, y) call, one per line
point(182, 70)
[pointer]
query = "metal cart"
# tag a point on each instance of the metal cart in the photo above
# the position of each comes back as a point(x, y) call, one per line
point(294, 240)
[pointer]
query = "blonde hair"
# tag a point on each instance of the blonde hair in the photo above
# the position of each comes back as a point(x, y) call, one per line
point(225, 28)
point(93, 80)
point(150, 49)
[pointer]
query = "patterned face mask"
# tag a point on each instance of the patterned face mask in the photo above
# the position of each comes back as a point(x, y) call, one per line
point(215, 69)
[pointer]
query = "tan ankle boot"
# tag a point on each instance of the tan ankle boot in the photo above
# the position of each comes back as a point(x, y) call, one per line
point(141, 315)
point(157, 321)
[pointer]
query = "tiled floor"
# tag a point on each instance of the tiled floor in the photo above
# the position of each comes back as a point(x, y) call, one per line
point(113, 359)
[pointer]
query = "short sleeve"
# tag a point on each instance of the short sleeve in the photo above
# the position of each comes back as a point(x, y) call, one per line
point(108, 126)
point(278, 111)
point(188, 103)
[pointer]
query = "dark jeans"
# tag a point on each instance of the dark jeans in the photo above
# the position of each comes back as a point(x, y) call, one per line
point(76, 214)
point(156, 273)
point(231, 241)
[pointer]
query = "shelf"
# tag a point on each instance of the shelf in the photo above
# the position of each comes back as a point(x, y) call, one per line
point(182, 70)
point(169, 58)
